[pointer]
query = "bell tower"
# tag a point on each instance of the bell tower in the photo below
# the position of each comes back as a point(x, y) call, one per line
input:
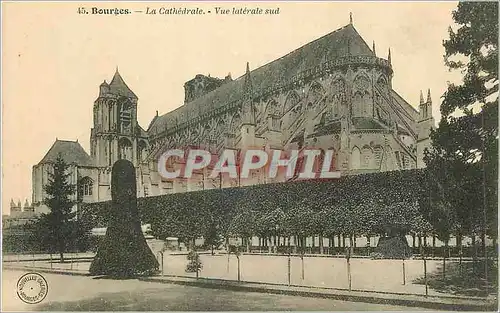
point(116, 133)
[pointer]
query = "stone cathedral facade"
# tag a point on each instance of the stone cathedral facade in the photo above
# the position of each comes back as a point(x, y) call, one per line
point(332, 93)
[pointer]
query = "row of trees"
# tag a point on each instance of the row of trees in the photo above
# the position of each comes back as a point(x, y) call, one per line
point(389, 203)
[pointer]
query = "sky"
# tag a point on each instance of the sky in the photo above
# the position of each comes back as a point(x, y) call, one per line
point(54, 59)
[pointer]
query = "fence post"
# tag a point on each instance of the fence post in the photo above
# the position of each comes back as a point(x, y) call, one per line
point(425, 277)
point(302, 265)
point(227, 266)
point(162, 264)
point(404, 272)
point(238, 257)
point(33, 256)
point(51, 261)
point(71, 263)
point(289, 270)
point(348, 258)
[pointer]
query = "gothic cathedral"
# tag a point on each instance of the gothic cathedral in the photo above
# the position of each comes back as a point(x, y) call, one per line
point(333, 93)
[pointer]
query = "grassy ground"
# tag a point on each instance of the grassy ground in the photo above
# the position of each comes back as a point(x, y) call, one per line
point(466, 279)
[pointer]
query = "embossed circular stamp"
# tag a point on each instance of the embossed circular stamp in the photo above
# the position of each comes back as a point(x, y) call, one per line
point(32, 288)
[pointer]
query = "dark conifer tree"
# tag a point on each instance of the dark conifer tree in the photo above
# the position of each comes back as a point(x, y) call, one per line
point(56, 228)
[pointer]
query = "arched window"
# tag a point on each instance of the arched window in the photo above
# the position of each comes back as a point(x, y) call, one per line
point(142, 151)
point(355, 158)
point(367, 157)
point(362, 105)
point(338, 96)
point(86, 186)
point(125, 149)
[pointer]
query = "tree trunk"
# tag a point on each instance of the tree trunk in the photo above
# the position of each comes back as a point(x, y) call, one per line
point(368, 243)
point(474, 247)
point(320, 244)
point(483, 243)
point(352, 243)
point(444, 258)
point(433, 245)
point(459, 244)
point(485, 254)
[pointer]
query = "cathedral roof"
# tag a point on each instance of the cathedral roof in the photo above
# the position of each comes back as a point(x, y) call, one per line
point(342, 42)
point(71, 152)
point(367, 123)
point(333, 127)
point(118, 87)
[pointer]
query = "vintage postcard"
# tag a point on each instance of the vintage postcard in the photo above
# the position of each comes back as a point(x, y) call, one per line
point(249, 156)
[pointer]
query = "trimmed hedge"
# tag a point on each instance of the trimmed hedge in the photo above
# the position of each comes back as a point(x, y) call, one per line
point(378, 203)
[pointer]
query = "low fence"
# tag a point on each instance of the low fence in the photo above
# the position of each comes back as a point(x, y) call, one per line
point(356, 273)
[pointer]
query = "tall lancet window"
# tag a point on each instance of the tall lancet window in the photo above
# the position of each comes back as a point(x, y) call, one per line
point(126, 117)
point(362, 103)
point(125, 148)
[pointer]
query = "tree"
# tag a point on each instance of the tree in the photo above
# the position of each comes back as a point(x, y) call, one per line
point(56, 228)
point(463, 158)
point(123, 252)
point(212, 237)
point(194, 263)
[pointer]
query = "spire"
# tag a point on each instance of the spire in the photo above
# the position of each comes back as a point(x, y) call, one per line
point(350, 18)
point(26, 203)
point(248, 109)
point(389, 56)
point(117, 86)
point(421, 98)
point(429, 100)
point(12, 204)
point(247, 83)
point(19, 203)
point(373, 48)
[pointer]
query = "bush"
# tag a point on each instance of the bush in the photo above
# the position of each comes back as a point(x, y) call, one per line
point(194, 265)
point(376, 256)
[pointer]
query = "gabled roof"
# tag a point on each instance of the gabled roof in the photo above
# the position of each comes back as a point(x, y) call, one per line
point(342, 42)
point(71, 152)
point(118, 87)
